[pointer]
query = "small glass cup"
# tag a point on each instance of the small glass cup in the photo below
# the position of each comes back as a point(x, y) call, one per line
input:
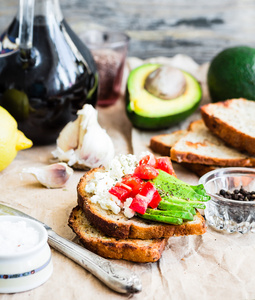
point(227, 214)
point(109, 50)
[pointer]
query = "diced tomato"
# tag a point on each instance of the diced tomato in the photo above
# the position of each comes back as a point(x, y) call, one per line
point(134, 182)
point(149, 159)
point(152, 194)
point(124, 186)
point(121, 191)
point(146, 172)
point(165, 164)
point(148, 190)
point(139, 204)
point(148, 196)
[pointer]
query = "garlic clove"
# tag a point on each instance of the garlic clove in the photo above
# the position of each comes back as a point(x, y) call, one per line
point(51, 176)
point(96, 151)
point(88, 117)
point(68, 137)
point(64, 156)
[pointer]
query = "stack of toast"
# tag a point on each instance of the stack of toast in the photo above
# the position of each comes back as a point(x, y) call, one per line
point(115, 236)
point(224, 137)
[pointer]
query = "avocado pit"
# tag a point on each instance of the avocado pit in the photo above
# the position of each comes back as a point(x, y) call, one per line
point(166, 83)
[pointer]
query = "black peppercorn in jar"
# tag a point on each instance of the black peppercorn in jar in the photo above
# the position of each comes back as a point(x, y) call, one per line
point(239, 195)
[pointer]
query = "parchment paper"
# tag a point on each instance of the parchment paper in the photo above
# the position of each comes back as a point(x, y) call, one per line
point(216, 265)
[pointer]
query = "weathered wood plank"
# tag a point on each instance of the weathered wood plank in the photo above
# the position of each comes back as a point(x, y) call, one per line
point(198, 28)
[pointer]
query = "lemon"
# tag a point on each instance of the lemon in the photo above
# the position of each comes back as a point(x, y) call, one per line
point(11, 139)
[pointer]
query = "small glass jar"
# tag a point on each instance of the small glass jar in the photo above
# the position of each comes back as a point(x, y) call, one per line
point(27, 269)
point(227, 214)
point(109, 50)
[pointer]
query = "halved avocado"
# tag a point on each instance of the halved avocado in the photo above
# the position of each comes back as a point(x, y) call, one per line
point(147, 111)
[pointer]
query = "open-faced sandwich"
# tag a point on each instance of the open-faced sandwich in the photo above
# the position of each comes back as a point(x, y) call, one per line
point(129, 209)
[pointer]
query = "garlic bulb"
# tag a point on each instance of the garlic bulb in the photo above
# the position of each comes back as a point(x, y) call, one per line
point(84, 143)
point(52, 176)
point(68, 137)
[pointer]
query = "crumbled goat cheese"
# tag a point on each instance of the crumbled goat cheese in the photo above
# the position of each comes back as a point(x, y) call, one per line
point(128, 212)
point(100, 185)
point(122, 165)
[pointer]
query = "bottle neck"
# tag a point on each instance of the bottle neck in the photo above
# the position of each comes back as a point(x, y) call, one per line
point(45, 8)
point(35, 12)
point(48, 9)
point(26, 17)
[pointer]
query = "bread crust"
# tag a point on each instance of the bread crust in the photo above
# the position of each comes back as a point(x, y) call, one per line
point(158, 144)
point(188, 156)
point(119, 226)
point(230, 135)
point(141, 251)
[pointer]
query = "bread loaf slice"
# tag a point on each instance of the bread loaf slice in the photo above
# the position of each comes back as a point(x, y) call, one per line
point(200, 146)
point(118, 226)
point(135, 250)
point(233, 121)
point(163, 143)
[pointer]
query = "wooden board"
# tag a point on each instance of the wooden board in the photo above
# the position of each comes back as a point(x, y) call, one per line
point(198, 28)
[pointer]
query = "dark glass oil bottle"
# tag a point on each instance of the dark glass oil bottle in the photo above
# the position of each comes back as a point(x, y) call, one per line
point(43, 86)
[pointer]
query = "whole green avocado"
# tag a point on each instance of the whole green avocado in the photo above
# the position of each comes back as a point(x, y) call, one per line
point(232, 74)
point(147, 111)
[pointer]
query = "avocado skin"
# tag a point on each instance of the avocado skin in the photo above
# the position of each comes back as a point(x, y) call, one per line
point(147, 123)
point(232, 74)
point(160, 122)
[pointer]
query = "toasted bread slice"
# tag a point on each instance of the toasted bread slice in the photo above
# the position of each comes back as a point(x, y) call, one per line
point(118, 226)
point(200, 146)
point(163, 143)
point(136, 250)
point(232, 121)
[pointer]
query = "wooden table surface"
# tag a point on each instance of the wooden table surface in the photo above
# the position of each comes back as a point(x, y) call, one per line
point(198, 28)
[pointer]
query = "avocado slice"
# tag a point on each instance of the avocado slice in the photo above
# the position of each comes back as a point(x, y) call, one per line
point(171, 213)
point(173, 189)
point(146, 111)
point(166, 206)
point(163, 219)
